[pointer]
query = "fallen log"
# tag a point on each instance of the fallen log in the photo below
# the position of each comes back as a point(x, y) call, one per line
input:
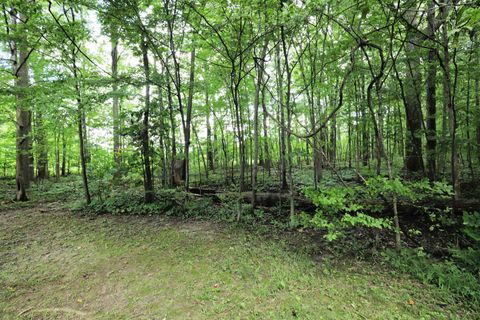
point(273, 199)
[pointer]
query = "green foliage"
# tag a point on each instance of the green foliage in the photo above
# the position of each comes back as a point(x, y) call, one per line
point(337, 209)
point(470, 257)
point(119, 201)
point(130, 201)
point(382, 186)
point(444, 274)
point(410, 191)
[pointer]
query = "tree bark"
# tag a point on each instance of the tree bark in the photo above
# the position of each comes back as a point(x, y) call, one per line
point(282, 145)
point(210, 154)
point(115, 105)
point(173, 130)
point(81, 123)
point(64, 151)
point(289, 108)
point(188, 120)
point(260, 65)
point(431, 97)
point(42, 148)
point(19, 53)
point(413, 109)
point(449, 102)
point(147, 180)
point(266, 153)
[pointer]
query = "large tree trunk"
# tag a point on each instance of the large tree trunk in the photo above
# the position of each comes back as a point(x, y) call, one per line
point(23, 117)
point(413, 109)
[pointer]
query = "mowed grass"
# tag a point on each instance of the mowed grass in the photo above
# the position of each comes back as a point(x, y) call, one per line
point(55, 265)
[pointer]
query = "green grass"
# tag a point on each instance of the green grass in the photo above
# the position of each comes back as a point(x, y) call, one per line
point(55, 265)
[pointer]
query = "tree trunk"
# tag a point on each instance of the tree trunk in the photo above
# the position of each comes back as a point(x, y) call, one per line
point(266, 153)
point(147, 181)
point(42, 149)
point(64, 151)
point(57, 154)
point(210, 154)
point(23, 116)
point(289, 108)
point(282, 146)
point(477, 102)
point(162, 133)
point(188, 120)
point(449, 104)
point(431, 98)
point(413, 109)
point(81, 123)
point(115, 106)
point(260, 67)
point(173, 129)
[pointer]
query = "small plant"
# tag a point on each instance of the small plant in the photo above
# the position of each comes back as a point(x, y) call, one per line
point(336, 211)
point(470, 257)
point(444, 274)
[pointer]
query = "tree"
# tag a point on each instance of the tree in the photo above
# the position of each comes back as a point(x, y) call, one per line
point(19, 52)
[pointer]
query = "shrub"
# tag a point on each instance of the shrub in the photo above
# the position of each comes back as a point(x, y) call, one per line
point(337, 209)
point(470, 257)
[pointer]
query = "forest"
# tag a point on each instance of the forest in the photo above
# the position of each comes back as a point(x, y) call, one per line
point(250, 159)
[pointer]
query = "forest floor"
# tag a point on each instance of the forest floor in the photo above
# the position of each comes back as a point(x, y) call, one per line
point(58, 265)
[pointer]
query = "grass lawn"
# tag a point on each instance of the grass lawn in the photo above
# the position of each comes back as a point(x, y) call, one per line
point(55, 265)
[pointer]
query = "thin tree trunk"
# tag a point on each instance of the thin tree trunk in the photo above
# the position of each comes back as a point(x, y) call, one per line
point(64, 151)
point(172, 128)
point(431, 98)
point(477, 95)
point(42, 149)
point(260, 67)
point(289, 107)
point(210, 155)
point(449, 104)
point(467, 118)
point(57, 154)
point(115, 105)
point(147, 181)
point(283, 160)
point(267, 162)
point(80, 122)
point(188, 120)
